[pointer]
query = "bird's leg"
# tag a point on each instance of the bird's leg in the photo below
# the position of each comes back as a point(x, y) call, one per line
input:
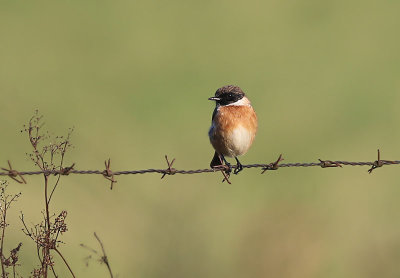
point(239, 166)
point(229, 170)
point(218, 163)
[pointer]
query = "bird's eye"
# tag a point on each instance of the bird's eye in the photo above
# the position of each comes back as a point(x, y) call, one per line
point(230, 95)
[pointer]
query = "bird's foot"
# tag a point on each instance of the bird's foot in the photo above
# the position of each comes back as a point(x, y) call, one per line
point(239, 166)
point(227, 168)
point(238, 169)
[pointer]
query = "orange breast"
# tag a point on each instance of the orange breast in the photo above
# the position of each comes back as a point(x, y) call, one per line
point(233, 130)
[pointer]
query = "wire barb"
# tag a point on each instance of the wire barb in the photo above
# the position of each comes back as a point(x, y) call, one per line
point(329, 163)
point(379, 163)
point(225, 172)
point(272, 166)
point(225, 169)
point(169, 170)
point(108, 174)
point(66, 170)
point(14, 174)
point(226, 177)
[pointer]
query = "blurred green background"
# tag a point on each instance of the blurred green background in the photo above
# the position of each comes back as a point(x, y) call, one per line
point(133, 78)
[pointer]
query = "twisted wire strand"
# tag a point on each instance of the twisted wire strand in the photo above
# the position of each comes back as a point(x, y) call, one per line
point(171, 171)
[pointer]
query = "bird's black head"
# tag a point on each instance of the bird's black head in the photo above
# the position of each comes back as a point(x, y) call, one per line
point(227, 95)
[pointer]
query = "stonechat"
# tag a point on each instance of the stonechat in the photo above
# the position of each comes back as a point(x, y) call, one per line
point(233, 127)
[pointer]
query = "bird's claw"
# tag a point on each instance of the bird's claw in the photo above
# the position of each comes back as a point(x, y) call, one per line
point(238, 169)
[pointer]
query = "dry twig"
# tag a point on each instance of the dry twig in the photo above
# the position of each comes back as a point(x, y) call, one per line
point(48, 157)
point(102, 258)
point(5, 202)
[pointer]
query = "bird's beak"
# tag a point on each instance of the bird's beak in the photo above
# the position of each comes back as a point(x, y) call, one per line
point(214, 98)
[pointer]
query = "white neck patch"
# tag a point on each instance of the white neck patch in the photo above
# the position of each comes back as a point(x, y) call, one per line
point(241, 102)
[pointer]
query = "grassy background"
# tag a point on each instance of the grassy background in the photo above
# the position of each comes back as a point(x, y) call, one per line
point(133, 77)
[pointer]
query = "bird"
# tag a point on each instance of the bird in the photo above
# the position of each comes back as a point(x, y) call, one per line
point(233, 126)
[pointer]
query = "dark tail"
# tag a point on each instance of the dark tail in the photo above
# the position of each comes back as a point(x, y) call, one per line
point(216, 161)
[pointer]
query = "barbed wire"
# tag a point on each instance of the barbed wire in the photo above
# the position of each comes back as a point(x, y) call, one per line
point(224, 169)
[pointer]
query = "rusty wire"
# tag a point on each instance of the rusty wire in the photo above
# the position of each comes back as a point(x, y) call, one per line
point(109, 175)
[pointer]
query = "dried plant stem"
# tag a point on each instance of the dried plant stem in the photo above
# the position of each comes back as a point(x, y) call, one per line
point(54, 188)
point(3, 271)
point(65, 261)
point(10, 261)
point(104, 258)
point(47, 156)
point(54, 272)
point(46, 248)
